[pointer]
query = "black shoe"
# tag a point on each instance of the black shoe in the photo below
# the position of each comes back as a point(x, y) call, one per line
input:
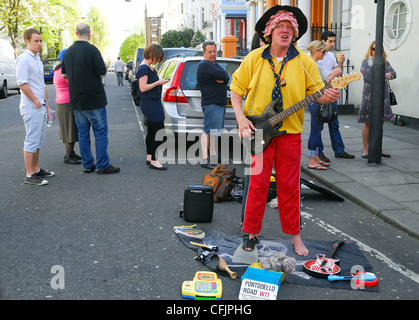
point(344, 155)
point(208, 166)
point(108, 170)
point(75, 155)
point(89, 169)
point(324, 158)
point(71, 160)
point(44, 173)
point(35, 180)
point(158, 168)
point(385, 155)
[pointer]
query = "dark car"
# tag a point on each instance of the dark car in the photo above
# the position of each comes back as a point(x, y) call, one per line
point(49, 66)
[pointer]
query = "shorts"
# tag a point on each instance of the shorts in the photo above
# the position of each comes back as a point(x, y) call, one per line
point(213, 119)
point(35, 121)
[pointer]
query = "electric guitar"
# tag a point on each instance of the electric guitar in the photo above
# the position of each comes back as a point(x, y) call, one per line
point(267, 122)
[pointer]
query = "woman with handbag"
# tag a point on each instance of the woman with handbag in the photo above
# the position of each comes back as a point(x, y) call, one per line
point(317, 50)
point(363, 115)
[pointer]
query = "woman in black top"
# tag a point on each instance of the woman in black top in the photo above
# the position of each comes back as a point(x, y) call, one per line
point(151, 87)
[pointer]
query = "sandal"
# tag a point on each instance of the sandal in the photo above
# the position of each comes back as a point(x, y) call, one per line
point(249, 243)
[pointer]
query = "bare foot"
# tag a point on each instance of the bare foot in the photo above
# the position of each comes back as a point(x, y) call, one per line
point(299, 246)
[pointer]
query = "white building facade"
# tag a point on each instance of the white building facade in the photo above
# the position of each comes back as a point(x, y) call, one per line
point(354, 22)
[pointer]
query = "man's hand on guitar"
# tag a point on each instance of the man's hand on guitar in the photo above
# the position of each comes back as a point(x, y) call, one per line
point(246, 128)
point(330, 95)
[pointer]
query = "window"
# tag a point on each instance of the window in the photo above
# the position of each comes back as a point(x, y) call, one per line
point(398, 20)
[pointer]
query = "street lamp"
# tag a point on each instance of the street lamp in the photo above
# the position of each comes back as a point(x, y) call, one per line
point(376, 112)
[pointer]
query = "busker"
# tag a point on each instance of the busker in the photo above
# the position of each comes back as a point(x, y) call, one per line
point(283, 72)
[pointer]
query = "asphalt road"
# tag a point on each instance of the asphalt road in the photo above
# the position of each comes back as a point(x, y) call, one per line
point(110, 237)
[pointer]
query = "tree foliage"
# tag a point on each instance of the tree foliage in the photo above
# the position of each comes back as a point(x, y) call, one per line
point(184, 38)
point(50, 17)
point(130, 44)
point(99, 29)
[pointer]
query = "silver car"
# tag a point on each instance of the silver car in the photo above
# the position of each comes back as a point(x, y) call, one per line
point(182, 99)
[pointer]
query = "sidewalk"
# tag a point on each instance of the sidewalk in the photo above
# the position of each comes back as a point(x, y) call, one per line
point(389, 190)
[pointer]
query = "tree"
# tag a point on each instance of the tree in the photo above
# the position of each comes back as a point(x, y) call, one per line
point(50, 17)
point(183, 38)
point(16, 16)
point(98, 29)
point(129, 46)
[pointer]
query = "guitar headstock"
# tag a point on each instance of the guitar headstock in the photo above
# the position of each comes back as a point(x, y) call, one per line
point(342, 82)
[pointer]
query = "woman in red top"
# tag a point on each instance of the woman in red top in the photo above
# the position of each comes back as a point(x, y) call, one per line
point(68, 127)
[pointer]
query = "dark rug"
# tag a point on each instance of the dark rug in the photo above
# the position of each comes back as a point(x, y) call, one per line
point(349, 255)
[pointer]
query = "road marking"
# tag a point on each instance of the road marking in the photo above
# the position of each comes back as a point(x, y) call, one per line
point(373, 252)
point(140, 123)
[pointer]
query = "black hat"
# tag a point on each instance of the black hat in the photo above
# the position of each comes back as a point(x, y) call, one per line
point(298, 14)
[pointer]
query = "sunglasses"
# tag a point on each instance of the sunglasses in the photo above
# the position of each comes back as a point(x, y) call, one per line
point(372, 49)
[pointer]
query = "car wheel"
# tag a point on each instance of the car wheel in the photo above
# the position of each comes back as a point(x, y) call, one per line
point(3, 91)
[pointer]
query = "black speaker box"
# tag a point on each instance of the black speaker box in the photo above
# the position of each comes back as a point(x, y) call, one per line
point(198, 203)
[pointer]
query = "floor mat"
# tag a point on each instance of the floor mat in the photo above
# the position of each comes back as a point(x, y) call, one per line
point(349, 255)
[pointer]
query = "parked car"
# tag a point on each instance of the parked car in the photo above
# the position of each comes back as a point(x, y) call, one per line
point(49, 66)
point(168, 54)
point(181, 97)
point(128, 68)
point(7, 69)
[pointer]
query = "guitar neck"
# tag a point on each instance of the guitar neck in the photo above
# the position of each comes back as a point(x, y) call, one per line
point(278, 118)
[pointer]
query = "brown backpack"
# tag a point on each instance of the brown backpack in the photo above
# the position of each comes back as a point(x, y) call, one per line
point(220, 179)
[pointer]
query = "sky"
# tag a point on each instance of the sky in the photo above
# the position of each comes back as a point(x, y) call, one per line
point(122, 18)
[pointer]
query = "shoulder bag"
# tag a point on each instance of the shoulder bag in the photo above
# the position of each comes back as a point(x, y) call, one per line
point(327, 113)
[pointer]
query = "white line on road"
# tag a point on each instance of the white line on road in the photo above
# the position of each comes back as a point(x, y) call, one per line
point(373, 252)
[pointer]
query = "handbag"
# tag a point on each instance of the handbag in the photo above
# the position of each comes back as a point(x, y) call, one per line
point(393, 100)
point(327, 113)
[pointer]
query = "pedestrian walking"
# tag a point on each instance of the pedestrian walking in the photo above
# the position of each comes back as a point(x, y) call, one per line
point(119, 70)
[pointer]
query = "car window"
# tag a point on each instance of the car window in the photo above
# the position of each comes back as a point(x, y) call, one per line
point(188, 81)
point(167, 71)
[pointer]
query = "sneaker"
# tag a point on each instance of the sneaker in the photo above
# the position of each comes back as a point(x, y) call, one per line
point(71, 160)
point(35, 180)
point(108, 170)
point(91, 169)
point(44, 173)
point(344, 155)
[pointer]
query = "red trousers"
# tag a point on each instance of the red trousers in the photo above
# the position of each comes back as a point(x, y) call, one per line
point(285, 152)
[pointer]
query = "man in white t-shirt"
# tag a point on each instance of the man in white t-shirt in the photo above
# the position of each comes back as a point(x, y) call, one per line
point(328, 63)
point(119, 70)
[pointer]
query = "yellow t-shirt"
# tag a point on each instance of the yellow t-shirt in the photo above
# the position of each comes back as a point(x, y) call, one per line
point(254, 79)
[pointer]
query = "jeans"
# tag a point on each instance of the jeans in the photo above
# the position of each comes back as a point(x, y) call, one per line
point(119, 76)
point(315, 143)
point(97, 120)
